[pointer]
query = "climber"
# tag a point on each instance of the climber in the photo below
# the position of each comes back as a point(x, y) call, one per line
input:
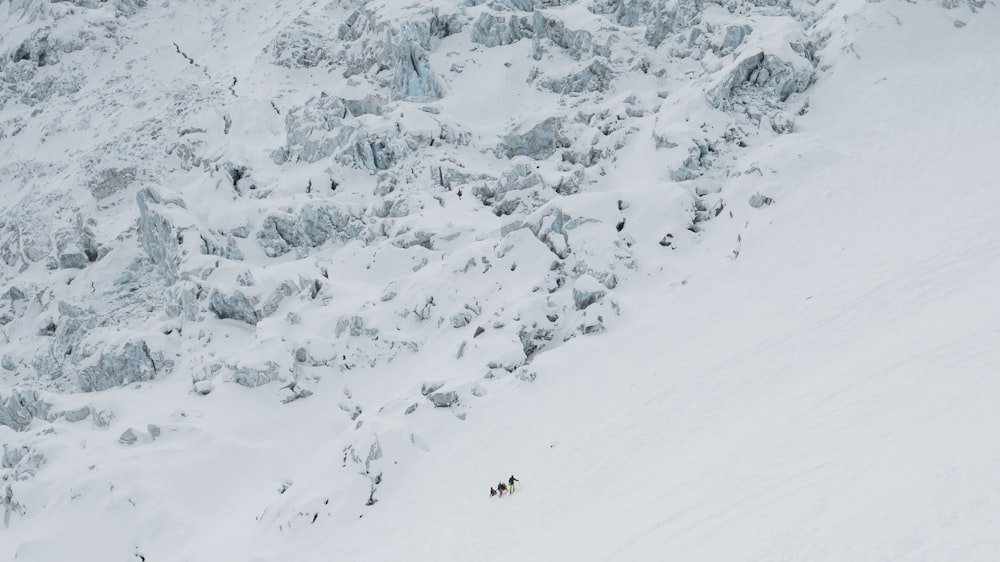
point(502, 487)
point(493, 491)
point(511, 481)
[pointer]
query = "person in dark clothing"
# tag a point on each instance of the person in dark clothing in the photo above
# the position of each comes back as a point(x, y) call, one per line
point(493, 491)
point(502, 487)
point(511, 482)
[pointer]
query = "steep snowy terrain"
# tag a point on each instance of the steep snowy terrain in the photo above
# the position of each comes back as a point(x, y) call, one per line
point(297, 279)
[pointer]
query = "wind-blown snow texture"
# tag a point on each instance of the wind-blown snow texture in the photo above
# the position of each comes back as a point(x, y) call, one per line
point(300, 280)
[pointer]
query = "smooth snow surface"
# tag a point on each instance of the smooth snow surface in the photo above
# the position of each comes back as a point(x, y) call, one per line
point(814, 380)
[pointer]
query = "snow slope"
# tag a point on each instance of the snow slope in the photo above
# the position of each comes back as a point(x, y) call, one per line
point(810, 379)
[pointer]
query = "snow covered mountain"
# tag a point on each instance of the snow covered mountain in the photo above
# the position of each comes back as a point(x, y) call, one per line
point(301, 280)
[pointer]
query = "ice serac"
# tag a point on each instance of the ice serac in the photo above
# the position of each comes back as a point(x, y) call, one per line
point(577, 43)
point(587, 291)
point(316, 224)
point(413, 78)
point(121, 364)
point(443, 399)
point(21, 407)
point(760, 76)
point(539, 142)
point(156, 234)
point(493, 30)
point(252, 376)
point(323, 126)
point(659, 17)
point(735, 34)
point(234, 305)
point(302, 44)
point(594, 77)
point(76, 247)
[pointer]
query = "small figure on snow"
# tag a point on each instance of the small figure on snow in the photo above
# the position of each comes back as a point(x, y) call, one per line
point(511, 481)
point(502, 487)
point(493, 491)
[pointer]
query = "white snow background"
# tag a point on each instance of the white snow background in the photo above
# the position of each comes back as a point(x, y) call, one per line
point(805, 370)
